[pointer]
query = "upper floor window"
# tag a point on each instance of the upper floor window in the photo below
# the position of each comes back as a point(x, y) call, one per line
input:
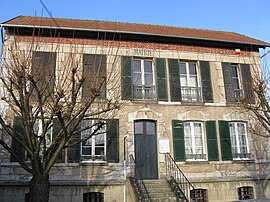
point(194, 141)
point(190, 89)
point(93, 148)
point(190, 81)
point(237, 82)
point(43, 71)
point(245, 192)
point(94, 74)
point(143, 80)
point(239, 140)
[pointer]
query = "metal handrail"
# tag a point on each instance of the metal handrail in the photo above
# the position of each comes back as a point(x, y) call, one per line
point(175, 174)
point(140, 188)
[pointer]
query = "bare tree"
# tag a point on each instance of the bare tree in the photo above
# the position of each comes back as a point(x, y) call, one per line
point(41, 97)
point(260, 109)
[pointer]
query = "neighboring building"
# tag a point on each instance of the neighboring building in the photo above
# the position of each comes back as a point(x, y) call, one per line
point(181, 90)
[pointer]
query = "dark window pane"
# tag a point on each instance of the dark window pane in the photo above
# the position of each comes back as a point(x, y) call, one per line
point(99, 151)
point(147, 66)
point(87, 151)
point(183, 68)
point(136, 65)
point(234, 71)
point(192, 69)
point(235, 83)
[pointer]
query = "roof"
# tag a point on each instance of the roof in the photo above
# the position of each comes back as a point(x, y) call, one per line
point(132, 28)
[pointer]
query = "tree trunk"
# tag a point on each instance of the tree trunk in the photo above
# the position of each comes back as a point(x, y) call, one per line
point(39, 188)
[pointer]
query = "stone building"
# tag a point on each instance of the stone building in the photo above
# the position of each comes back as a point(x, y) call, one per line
point(181, 90)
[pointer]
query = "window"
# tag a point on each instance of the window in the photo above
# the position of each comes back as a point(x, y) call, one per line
point(94, 74)
point(103, 146)
point(245, 192)
point(235, 82)
point(94, 147)
point(143, 80)
point(194, 141)
point(26, 197)
point(198, 195)
point(190, 139)
point(238, 82)
point(38, 131)
point(93, 197)
point(190, 89)
point(239, 141)
point(43, 70)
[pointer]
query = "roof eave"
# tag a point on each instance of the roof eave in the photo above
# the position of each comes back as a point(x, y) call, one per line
point(263, 45)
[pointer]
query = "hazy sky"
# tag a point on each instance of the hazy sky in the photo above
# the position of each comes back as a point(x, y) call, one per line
point(247, 17)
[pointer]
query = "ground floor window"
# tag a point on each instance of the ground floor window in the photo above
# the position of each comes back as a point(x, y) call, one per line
point(239, 141)
point(194, 141)
point(94, 147)
point(93, 197)
point(245, 192)
point(199, 195)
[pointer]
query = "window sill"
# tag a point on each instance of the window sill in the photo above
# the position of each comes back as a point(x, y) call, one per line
point(145, 101)
point(193, 103)
point(243, 160)
point(101, 163)
point(234, 104)
point(200, 161)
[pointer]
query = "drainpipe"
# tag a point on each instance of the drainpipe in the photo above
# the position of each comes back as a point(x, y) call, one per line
point(125, 168)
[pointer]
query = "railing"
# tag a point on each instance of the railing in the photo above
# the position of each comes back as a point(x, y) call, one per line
point(144, 92)
point(137, 182)
point(242, 155)
point(177, 179)
point(191, 94)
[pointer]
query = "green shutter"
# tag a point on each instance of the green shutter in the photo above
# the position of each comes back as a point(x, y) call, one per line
point(175, 87)
point(247, 83)
point(228, 83)
point(206, 81)
point(212, 145)
point(73, 152)
point(43, 70)
point(15, 145)
point(225, 140)
point(126, 63)
point(56, 129)
point(178, 140)
point(94, 70)
point(162, 93)
point(112, 143)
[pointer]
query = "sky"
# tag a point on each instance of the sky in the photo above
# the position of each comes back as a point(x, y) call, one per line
point(247, 17)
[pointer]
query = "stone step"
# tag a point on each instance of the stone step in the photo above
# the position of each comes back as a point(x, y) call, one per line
point(160, 194)
point(164, 199)
point(159, 189)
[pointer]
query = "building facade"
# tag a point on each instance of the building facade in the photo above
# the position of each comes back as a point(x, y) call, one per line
point(181, 91)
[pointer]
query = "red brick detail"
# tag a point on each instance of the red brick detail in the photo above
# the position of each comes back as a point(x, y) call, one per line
point(129, 44)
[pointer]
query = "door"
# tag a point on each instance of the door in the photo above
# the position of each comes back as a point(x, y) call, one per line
point(146, 150)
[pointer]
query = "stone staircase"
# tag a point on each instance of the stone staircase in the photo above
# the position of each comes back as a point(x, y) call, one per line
point(159, 190)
